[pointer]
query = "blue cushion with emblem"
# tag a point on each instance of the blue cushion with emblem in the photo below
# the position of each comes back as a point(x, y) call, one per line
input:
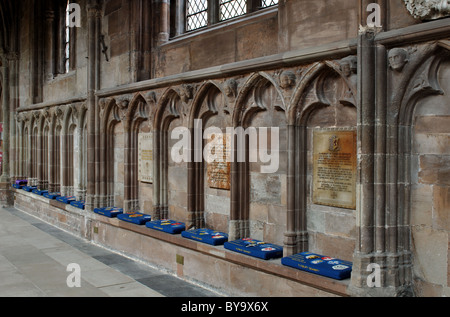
point(39, 192)
point(206, 236)
point(17, 186)
point(51, 195)
point(110, 212)
point(135, 217)
point(255, 248)
point(78, 204)
point(169, 226)
point(66, 199)
point(29, 188)
point(319, 264)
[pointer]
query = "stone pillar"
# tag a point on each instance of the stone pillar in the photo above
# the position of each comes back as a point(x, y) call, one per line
point(364, 251)
point(49, 44)
point(290, 246)
point(6, 195)
point(156, 174)
point(94, 15)
point(164, 21)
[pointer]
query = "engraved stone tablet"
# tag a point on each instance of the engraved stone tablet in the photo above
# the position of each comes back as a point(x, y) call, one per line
point(334, 172)
point(146, 157)
point(218, 158)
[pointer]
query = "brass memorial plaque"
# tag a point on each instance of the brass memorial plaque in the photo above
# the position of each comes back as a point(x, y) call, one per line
point(146, 157)
point(219, 166)
point(334, 172)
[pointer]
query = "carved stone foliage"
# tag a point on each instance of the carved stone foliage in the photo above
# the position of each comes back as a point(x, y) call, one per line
point(428, 9)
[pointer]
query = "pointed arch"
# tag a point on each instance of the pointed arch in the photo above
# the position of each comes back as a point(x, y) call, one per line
point(204, 107)
point(167, 111)
point(311, 85)
point(417, 80)
point(259, 93)
point(138, 112)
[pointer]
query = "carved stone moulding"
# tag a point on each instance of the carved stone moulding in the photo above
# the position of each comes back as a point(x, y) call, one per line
point(428, 9)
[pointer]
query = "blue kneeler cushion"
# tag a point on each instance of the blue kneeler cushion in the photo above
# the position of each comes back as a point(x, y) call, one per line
point(255, 248)
point(29, 188)
point(319, 264)
point(206, 236)
point(168, 226)
point(110, 212)
point(39, 192)
point(17, 186)
point(66, 199)
point(135, 217)
point(51, 195)
point(78, 204)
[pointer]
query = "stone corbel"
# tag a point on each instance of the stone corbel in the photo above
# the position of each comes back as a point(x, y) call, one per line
point(287, 80)
point(46, 114)
point(150, 97)
point(122, 107)
point(186, 93)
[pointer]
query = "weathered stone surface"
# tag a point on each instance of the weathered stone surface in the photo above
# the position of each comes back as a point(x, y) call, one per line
point(428, 9)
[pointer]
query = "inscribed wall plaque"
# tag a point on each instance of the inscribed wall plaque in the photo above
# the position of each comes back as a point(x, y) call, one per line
point(218, 151)
point(145, 157)
point(334, 171)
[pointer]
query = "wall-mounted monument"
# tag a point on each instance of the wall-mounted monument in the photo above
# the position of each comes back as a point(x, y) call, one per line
point(334, 168)
point(145, 157)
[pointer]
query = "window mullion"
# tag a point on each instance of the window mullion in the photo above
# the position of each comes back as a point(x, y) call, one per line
point(213, 11)
point(253, 5)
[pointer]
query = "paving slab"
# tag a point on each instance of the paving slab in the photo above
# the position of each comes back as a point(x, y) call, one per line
point(34, 259)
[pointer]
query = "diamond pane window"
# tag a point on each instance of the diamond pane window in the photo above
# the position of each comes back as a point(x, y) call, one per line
point(67, 40)
point(197, 14)
point(232, 8)
point(268, 3)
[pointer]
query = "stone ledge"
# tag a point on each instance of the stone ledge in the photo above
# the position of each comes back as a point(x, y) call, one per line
point(273, 268)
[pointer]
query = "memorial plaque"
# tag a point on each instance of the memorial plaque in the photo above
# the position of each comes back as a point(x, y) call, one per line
point(218, 166)
point(145, 157)
point(334, 172)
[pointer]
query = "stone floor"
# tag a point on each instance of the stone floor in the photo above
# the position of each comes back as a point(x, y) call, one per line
point(34, 257)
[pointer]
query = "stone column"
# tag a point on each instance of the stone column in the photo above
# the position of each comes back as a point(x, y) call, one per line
point(290, 246)
point(94, 14)
point(164, 21)
point(156, 174)
point(6, 196)
point(49, 45)
point(365, 185)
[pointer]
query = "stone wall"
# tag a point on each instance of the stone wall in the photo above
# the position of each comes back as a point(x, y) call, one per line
point(297, 67)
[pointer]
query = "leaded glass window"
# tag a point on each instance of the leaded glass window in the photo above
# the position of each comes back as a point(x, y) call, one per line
point(268, 3)
point(197, 14)
point(232, 8)
point(67, 40)
point(201, 13)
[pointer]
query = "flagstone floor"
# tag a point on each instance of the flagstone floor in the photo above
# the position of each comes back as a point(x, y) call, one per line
point(34, 259)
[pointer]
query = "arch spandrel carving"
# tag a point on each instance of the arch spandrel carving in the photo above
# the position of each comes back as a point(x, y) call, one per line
point(252, 99)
